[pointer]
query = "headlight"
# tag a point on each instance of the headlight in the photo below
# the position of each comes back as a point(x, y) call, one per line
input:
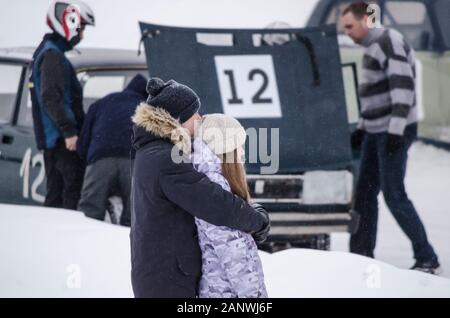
point(327, 187)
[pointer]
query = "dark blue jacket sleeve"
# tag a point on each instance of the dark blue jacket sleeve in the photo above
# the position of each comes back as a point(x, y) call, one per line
point(206, 200)
point(52, 90)
point(84, 139)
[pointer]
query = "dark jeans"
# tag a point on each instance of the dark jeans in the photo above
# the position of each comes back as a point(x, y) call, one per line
point(386, 172)
point(104, 178)
point(64, 171)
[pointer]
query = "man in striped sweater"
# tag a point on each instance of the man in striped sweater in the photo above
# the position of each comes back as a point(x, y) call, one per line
point(386, 130)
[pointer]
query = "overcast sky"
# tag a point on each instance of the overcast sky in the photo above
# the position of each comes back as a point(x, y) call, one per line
point(22, 22)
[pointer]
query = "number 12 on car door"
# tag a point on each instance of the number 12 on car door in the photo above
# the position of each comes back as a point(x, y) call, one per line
point(248, 86)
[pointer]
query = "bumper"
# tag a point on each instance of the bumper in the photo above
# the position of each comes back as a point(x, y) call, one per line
point(292, 226)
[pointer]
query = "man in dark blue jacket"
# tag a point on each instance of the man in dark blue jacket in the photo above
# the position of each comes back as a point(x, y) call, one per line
point(57, 102)
point(105, 145)
point(167, 194)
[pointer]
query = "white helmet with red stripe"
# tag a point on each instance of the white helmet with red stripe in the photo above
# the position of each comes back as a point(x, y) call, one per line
point(68, 17)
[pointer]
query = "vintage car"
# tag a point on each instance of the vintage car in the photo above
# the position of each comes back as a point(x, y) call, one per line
point(22, 172)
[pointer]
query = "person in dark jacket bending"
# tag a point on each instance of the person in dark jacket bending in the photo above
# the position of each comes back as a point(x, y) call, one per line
point(105, 145)
point(167, 194)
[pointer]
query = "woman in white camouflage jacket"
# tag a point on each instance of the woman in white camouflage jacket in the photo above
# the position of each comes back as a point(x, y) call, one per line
point(231, 266)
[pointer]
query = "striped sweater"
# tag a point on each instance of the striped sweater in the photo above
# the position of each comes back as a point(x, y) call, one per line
point(387, 89)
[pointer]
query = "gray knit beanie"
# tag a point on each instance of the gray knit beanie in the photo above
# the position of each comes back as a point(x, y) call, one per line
point(179, 100)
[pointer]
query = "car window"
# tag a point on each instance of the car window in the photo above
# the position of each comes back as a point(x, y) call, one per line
point(10, 75)
point(97, 84)
point(351, 92)
point(25, 116)
point(412, 20)
point(405, 12)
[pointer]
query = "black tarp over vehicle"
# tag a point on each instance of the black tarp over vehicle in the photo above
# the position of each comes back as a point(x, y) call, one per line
point(307, 73)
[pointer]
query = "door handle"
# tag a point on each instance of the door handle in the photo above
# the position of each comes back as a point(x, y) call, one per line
point(7, 139)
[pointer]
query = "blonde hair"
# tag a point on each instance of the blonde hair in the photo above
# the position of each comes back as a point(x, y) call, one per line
point(233, 170)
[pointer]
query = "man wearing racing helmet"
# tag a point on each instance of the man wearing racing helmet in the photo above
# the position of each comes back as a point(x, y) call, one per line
point(57, 106)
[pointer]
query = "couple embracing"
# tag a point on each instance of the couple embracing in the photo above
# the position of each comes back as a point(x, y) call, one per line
point(194, 228)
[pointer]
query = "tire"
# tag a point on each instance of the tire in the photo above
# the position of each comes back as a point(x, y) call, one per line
point(322, 242)
point(317, 242)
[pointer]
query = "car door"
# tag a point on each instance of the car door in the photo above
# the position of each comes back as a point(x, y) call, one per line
point(15, 183)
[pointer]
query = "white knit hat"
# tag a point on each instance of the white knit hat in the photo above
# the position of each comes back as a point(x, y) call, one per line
point(222, 133)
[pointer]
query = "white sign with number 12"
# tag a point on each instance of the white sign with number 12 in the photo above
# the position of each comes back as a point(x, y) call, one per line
point(248, 86)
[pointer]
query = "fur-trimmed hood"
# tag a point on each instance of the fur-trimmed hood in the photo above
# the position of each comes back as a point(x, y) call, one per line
point(160, 124)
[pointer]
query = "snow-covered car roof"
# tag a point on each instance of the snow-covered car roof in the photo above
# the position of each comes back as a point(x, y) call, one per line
point(84, 57)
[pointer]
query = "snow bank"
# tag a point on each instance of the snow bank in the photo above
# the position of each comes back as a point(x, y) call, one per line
point(310, 273)
point(59, 253)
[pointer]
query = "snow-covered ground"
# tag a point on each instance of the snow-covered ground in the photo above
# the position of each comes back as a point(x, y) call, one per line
point(59, 253)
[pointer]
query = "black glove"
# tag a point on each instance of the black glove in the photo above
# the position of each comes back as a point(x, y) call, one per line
point(261, 235)
point(393, 143)
point(357, 139)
